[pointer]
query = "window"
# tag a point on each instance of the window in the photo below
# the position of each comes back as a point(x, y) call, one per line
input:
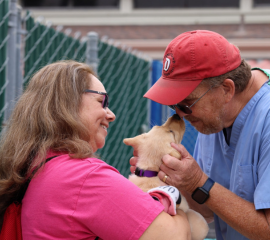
point(261, 3)
point(71, 3)
point(185, 3)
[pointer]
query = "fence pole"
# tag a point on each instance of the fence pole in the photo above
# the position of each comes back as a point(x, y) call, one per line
point(19, 76)
point(92, 51)
point(11, 53)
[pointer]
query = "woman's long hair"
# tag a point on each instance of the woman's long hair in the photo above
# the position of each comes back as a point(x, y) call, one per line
point(45, 117)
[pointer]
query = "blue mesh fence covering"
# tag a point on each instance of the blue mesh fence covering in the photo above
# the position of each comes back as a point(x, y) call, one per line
point(191, 133)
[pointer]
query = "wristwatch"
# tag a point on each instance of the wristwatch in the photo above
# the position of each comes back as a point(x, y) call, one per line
point(201, 194)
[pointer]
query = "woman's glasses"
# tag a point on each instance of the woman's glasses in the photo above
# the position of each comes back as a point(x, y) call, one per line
point(187, 109)
point(105, 102)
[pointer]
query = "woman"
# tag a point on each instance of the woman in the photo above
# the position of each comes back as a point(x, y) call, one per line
point(63, 117)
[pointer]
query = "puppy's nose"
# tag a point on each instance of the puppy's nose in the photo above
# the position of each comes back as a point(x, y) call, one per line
point(176, 116)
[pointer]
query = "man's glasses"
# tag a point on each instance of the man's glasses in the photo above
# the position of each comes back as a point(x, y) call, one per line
point(187, 109)
point(105, 102)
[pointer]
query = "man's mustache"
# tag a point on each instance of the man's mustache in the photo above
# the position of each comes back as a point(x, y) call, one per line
point(191, 119)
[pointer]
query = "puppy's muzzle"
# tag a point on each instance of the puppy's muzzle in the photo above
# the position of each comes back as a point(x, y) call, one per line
point(176, 116)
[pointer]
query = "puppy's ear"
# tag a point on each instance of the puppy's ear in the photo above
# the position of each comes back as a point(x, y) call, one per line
point(175, 153)
point(133, 142)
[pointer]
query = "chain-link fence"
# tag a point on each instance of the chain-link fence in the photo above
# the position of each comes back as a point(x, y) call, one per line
point(27, 44)
point(44, 45)
point(126, 77)
point(4, 17)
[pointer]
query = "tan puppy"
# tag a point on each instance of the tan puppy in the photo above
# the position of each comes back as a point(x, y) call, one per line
point(151, 147)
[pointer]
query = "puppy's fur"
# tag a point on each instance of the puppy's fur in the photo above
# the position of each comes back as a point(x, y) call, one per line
point(151, 147)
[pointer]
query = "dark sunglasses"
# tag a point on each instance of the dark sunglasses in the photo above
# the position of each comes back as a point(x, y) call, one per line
point(187, 109)
point(105, 102)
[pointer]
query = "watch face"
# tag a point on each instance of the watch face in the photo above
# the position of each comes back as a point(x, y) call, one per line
point(200, 195)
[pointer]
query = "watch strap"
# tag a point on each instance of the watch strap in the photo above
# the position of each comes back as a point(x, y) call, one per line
point(208, 184)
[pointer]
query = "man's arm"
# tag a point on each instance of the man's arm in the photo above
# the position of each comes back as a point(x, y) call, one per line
point(240, 214)
point(267, 215)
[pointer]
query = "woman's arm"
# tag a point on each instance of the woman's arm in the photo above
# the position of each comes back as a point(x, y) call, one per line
point(201, 208)
point(165, 226)
point(168, 227)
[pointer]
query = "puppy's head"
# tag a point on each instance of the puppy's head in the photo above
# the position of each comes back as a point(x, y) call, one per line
point(152, 146)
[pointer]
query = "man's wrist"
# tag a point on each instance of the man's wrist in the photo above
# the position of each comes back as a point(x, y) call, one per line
point(201, 194)
point(200, 182)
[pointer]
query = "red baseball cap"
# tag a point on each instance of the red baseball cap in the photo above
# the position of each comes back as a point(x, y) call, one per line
point(190, 58)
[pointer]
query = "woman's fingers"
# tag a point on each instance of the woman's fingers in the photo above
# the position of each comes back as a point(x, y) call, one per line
point(133, 161)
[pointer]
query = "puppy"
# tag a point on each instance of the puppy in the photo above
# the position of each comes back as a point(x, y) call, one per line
point(151, 147)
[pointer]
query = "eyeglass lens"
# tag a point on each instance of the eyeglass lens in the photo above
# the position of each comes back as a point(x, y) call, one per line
point(105, 102)
point(185, 109)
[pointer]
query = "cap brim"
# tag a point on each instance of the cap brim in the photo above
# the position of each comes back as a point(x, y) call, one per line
point(169, 92)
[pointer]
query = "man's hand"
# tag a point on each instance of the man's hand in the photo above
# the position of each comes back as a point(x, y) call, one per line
point(184, 173)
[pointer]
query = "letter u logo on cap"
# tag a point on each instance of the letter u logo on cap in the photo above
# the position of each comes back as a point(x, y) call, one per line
point(167, 64)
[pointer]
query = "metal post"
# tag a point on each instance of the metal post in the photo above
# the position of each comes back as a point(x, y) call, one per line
point(126, 6)
point(11, 52)
point(92, 51)
point(19, 81)
point(246, 5)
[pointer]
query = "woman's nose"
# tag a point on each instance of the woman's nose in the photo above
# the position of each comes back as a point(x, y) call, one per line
point(110, 115)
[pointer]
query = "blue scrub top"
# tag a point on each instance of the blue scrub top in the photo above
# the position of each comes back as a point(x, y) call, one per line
point(243, 166)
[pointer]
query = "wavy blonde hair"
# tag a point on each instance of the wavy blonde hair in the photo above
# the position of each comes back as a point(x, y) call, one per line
point(45, 117)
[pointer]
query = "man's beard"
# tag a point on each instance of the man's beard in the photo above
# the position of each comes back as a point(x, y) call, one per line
point(208, 126)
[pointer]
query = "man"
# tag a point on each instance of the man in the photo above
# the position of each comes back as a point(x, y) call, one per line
point(207, 83)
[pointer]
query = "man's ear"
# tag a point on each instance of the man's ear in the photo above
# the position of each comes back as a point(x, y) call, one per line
point(229, 89)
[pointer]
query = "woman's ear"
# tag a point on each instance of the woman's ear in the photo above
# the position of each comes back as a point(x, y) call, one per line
point(229, 89)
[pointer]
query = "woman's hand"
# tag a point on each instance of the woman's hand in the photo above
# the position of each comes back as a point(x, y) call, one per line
point(133, 161)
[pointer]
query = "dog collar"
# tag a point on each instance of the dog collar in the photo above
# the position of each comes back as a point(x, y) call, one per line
point(145, 173)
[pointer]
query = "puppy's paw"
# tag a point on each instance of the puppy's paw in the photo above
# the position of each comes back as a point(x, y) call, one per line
point(198, 225)
point(184, 204)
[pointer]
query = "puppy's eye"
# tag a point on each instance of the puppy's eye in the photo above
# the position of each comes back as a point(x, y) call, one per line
point(171, 131)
